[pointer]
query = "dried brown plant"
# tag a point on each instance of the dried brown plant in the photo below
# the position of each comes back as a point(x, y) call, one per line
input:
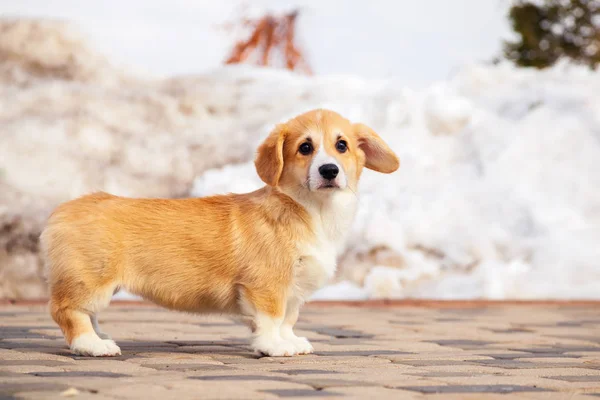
point(270, 37)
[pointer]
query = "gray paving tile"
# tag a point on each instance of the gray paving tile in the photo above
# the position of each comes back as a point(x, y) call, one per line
point(576, 378)
point(299, 393)
point(473, 389)
point(304, 371)
point(78, 374)
point(188, 367)
point(241, 378)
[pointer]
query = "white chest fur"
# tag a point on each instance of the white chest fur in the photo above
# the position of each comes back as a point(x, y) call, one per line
point(332, 219)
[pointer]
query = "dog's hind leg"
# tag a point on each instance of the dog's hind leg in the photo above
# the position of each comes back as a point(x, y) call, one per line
point(73, 306)
point(80, 334)
point(94, 320)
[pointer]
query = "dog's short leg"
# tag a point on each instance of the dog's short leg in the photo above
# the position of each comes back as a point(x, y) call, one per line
point(267, 336)
point(267, 313)
point(301, 344)
point(80, 335)
point(102, 335)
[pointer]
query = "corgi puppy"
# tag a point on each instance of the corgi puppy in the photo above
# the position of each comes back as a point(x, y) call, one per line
point(257, 255)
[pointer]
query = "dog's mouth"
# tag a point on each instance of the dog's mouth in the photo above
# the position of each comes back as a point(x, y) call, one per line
point(328, 186)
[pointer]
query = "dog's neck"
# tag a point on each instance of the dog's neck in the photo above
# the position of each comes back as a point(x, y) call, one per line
point(332, 212)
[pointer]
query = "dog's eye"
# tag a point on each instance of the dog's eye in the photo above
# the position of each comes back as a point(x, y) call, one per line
point(305, 148)
point(341, 146)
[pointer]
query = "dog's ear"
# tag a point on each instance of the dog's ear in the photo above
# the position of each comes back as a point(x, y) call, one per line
point(378, 155)
point(269, 157)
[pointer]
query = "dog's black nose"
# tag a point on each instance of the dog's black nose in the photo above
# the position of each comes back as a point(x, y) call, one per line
point(329, 171)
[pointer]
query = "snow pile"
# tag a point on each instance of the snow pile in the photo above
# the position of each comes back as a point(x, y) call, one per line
point(498, 194)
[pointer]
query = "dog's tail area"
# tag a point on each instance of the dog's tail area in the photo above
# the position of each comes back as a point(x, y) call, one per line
point(58, 221)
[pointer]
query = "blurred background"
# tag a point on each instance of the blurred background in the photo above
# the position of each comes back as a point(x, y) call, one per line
point(493, 107)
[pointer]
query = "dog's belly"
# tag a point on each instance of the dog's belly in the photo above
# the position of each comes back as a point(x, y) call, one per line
point(216, 301)
point(191, 290)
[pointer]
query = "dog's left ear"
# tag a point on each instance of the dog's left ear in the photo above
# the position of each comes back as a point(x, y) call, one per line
point(378, 155)
point(269, 158)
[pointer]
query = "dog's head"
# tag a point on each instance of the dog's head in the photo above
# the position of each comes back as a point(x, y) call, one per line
point(320, 151)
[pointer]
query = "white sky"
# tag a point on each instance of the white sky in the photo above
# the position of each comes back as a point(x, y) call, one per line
point(414, 41)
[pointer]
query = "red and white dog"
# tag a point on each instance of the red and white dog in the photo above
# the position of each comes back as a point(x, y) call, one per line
point(259, 255)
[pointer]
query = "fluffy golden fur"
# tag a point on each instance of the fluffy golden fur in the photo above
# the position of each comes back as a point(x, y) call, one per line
point(258, 255)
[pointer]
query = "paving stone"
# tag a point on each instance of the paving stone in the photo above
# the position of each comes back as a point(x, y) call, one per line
point(304, 371)
point(485, 396)
point(323, 383)
point(240, 378)
point(473, 389)
point(249, 359)
point(446, 319)
point(363, 353)
point(9, 344)
point(558, 349)
point(432, 363)
point(519, 364)
point(511, 330)
point(514, 356)
point(371, 392)
point(467, 311)
point(81, 395)
point(587, 338)
point(315, 360)
point(25, 332)
point(16, 387)
point(577, 378)
point(299, 393)
point(44, 363)
point(7, 314)
point(572, 395)
point(130, 344)
point(341, 333)
point(72, 374)
point(185, 367)
point(9, 374)
point(461, 343)
point(207, 343)
point(443, 374)
point(343, 341)
point(505, 351)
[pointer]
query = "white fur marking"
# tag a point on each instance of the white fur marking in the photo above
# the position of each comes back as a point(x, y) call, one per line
point(315, 180)
point(301, 344)
point(89, 344)
point(268, 338)
point(332, 217)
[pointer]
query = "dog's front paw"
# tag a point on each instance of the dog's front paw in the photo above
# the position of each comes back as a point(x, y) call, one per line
point(302, 345)
point(274, 348)
point(92, 345)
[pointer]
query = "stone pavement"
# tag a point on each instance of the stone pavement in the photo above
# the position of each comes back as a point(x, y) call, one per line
point(419, 351)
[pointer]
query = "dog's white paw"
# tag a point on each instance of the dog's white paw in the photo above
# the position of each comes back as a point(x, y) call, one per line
point(91, 345)
point(274, 348)
point(302, 345)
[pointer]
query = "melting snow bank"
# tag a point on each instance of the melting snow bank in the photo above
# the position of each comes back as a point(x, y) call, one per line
point(498, 193)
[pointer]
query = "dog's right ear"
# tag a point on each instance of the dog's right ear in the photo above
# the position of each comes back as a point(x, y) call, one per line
point(269, 158)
